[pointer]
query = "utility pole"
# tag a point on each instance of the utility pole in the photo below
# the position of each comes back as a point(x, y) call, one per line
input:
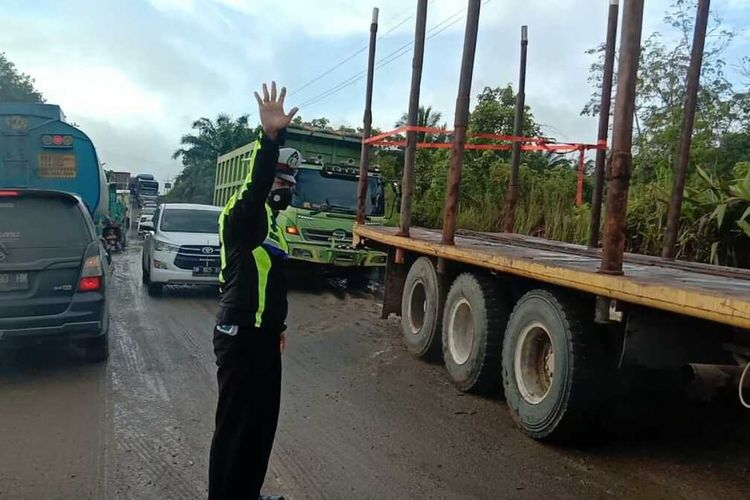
point(622, 138)
point(364, 162)
point(511, 199)
point(686, 135)
point(604, 108)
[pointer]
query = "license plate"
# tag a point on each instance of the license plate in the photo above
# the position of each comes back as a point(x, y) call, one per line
point(205, 271)
point(13, 281)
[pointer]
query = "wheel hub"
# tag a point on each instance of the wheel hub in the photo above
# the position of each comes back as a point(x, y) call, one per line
point(534, 362)
point(461, 331)
point(417, 307)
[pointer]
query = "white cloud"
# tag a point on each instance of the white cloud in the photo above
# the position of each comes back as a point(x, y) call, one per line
point(173, 5)
point(99, 91)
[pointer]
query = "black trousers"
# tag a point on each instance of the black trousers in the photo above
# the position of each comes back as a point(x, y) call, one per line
point(249, 378)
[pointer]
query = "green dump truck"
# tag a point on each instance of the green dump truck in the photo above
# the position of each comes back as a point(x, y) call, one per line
point(319, 222)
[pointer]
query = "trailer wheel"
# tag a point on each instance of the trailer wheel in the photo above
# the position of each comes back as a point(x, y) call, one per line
point(551, 361)
point(473, 324)
point(420, 309)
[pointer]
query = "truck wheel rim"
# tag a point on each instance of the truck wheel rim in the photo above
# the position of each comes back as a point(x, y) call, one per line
point(461, 331)
point(534, 363)
point(417, 306)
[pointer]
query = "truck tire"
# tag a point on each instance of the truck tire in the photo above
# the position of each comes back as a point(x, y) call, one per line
point(474, 320)
point(421, 310)
point(551, 360)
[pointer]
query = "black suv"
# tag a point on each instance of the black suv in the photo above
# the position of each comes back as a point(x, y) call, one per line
point(54, 272)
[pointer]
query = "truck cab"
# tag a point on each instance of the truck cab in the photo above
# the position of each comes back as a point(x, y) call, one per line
point(318, 223)
point(144, 189)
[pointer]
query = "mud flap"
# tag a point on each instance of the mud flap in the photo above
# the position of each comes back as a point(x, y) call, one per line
point(395, 276)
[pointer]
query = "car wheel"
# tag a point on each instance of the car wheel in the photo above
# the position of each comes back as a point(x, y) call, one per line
point(97, 350)
point(155, 289)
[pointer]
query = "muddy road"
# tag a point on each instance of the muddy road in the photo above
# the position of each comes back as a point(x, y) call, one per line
point(360, 418)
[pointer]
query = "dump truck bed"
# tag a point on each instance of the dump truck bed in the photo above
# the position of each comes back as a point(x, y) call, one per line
point(714, 293)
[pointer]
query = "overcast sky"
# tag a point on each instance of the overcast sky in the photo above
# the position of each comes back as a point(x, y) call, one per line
point(134, 74)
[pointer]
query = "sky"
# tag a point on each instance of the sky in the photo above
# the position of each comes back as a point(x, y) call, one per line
point(134, 74)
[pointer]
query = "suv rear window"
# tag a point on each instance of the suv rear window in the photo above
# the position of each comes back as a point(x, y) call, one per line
point(183, 220)
point(38, 222)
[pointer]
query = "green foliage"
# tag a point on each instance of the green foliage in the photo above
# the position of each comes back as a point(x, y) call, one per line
point(715, 220)
point(199, 152)
point(16, 86)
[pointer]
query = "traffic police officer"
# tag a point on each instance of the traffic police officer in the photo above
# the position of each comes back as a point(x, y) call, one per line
point(249, 336)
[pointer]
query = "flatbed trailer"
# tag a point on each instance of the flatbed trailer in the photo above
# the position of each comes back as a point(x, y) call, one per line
point(536, 320)
point(555, 325)
point(713, 293)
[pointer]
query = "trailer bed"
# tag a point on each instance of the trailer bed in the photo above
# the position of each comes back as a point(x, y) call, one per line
point(714, 293)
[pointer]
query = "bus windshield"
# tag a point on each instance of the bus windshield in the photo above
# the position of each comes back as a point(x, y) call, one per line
point(317, 190)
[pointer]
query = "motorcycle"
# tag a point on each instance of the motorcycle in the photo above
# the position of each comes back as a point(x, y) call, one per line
point(113, 238)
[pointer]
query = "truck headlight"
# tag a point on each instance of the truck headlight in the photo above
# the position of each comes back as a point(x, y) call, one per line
point(163, 246)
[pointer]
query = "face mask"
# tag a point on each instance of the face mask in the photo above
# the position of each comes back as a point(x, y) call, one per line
point(280, 198)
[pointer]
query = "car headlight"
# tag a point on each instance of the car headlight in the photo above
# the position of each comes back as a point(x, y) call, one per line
point(163, 246)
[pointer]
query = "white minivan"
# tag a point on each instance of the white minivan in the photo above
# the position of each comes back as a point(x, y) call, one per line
point(182, 246)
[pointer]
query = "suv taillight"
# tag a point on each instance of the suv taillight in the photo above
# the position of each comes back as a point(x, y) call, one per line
point(91, 275)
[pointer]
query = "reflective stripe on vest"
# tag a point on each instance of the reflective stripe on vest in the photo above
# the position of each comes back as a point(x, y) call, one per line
point(273, 243)
point(275, 237)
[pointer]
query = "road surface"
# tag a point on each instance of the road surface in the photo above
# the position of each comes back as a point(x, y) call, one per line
point(360, 418)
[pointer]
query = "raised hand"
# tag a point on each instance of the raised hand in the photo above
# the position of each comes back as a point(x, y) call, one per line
point(272, 116)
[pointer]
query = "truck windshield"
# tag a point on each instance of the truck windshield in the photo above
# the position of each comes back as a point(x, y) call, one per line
point(148, 187)
point(317, 190)
point(190, 221)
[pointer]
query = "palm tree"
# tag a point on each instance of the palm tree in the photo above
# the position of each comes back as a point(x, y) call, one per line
point(426, 117)
point(199, 152)
point(214, 138)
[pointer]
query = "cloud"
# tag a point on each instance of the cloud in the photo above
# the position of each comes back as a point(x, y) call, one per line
point(173, 5)
point(142, 148)
point(100, 91)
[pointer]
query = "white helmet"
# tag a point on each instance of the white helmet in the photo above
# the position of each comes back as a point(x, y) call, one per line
point(286, 167)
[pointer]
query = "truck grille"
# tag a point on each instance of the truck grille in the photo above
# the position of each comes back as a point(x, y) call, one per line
point(318, 235)
point(190, 256)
